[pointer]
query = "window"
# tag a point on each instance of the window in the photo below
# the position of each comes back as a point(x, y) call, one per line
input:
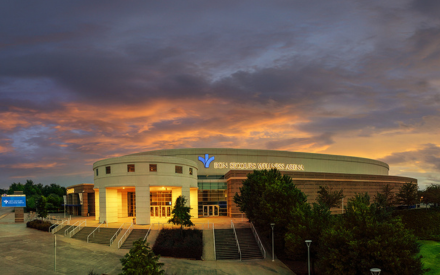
point(108, 170)
point(130, 167)
point(97, 172)
point(153, 167)
point(190, 171)
point(179, 169)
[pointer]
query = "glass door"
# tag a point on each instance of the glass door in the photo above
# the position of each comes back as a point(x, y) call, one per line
point(210, 210)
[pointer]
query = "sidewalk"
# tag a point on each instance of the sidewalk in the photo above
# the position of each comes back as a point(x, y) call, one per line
point(29, 251)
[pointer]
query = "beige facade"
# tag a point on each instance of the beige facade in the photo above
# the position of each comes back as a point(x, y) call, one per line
point(125, 185)
point(145, 185)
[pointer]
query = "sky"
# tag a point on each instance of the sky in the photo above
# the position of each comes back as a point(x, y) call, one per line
point(85, 80)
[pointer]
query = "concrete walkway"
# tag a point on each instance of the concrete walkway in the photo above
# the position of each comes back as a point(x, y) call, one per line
point(29, 251)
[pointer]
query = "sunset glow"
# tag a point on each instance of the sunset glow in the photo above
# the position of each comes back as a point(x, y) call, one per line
point(80, 82)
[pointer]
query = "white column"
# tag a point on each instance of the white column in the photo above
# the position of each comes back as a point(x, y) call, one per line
point(186, 193)
point(111, 205)
point(194, 203)
point(102, 205)
point(143, 205)
point(97, 206)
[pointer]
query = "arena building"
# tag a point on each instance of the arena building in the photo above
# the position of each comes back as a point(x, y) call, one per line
point(146, 184)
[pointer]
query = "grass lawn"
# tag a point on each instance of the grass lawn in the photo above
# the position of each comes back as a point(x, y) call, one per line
point(431, 256)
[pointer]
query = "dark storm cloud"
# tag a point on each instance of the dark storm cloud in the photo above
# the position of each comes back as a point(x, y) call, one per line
point(90, 80)
point(429, 7)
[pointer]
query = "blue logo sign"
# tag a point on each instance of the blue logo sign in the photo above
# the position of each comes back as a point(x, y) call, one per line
point(15, 201)
point(207, 160)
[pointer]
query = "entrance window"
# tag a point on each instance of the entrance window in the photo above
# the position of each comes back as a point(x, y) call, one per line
point(160, 203)
point(130, 167)
point(131, 201)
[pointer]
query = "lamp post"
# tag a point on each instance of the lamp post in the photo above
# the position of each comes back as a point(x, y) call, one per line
point(375, 271)
point(421, 199)
point(308, 242)
point(273, 251)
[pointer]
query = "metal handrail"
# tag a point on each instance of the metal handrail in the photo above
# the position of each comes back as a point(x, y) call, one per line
point(236, 239)
point(213, 235)
point(60, 226)
point(257, 238)
point(93, 232)
point(73, 225)
point(53, 225)
point(148, 233)
point(116, 234)
point(77, 229)
point(125, 236)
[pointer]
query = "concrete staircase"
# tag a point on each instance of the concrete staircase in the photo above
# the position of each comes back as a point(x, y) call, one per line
point(225, 245)
point(248, 245)
point(83, 233)
point(135, 235)
point(103, 236)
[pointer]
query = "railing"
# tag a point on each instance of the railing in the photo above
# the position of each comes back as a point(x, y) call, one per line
point(148, 232)
point(67, 230)
point(257, 238)
point(53, 225)
point(236, 239)
point(93, 232)
point(60, 226)
point(116, 234)
point(125, 236)
point(78, 228)
point(213, 235)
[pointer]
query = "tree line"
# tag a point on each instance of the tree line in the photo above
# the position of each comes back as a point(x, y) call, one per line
point(49, 197)
point(365, 236)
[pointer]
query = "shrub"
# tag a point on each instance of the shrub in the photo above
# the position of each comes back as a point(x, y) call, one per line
point(171, 243)
point(40, 225)
point(423, 222)
point(141, 260)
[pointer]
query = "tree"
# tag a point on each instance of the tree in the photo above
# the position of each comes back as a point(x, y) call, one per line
point(386, 197)
point(313, 221)
point(180, 213)
point(141, 260)
point(329, 197)
point(267, 197)
point(364, 238)
point(432, 194)
point(42, 207)
point(407, 194)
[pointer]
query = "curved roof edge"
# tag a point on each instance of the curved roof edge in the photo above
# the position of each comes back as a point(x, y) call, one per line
point(256, 152)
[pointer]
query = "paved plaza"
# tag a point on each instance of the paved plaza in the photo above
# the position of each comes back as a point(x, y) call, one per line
point(29, 251)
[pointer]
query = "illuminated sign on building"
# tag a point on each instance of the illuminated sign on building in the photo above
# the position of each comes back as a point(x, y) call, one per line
point(207, 160)
point(258, 166)
point(14, 201)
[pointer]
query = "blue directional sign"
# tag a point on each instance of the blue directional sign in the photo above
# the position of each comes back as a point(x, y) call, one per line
point(14, 201)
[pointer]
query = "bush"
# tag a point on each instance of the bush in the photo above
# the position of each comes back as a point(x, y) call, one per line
point(423, 222)
point(172, 243)
point(40, 225)
point(141, 260)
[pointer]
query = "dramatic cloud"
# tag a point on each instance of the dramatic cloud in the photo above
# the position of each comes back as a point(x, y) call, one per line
point(82, 81)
